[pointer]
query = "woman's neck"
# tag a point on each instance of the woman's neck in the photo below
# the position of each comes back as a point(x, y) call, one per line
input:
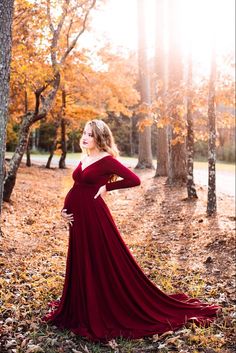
point(94, 153)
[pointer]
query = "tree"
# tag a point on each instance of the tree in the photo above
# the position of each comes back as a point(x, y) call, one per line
point(160, 85)
point(89, 93)
point(192, 194)
point(54, 142)
point(6, 17)
point(62, 161)
point(65, 28)
point(177, 127)
point(28, 159)
point(145, 152)
point(211, 197)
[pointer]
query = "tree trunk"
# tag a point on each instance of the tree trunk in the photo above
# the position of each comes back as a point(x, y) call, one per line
point(43, 104)
point(62, 161)
point(28, 159)
point(28, 120)
point(6, 16)
point(53, 148)
point(170, 155)
point(17, 157)
point(48, 164)
point(192, 194)
point(179, 163)
point(145, 151)
point(211, 197)
point(162, 157)
point(160, 84)
point(177, 148)
point(131, 139)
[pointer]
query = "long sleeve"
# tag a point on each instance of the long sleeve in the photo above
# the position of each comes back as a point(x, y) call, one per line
point(129, 179)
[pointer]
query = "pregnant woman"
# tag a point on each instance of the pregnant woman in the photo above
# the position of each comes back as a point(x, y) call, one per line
point(106, 294)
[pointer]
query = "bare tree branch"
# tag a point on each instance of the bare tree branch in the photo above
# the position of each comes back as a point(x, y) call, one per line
point(49, 16)
point(84, 76)
point(68, 32)
point(63, 16)
point(76, 7)
point(48, 102)
point(56, 32)
point(79, 34)
point(38, 93)
point(20, 16)
point(83, 3)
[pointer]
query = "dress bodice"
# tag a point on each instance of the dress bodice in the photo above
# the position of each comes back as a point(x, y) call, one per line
point(88, 181)
point(93, 174)
point(100, 172)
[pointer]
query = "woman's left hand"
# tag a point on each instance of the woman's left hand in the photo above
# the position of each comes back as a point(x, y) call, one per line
point(101, 192)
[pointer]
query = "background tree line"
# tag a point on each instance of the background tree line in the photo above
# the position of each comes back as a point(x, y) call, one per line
point(126, 134)
point(154, 105)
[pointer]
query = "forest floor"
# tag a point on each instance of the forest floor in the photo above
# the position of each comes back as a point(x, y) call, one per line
point(175, 243)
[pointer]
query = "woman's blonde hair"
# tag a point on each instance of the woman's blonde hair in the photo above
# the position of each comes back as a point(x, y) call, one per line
point(103, 137)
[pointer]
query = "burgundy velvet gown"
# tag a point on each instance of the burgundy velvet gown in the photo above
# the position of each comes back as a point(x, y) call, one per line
point(106, 294)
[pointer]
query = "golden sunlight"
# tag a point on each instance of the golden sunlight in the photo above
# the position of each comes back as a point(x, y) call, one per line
point(208, 23)
point(202, 23)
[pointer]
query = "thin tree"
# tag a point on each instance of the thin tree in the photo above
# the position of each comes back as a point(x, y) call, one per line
point(131, 137)
point(160, 84)
point(6, 17)
point(192, 194)
point(62, 161)
point(28, 158)
point(54, 143)
point(44, 103)
point(176, 138)
point(211, 197)
point(145, 151)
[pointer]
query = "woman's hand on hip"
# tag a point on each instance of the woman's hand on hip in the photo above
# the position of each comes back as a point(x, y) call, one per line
point(101, 192)
point(68, 217)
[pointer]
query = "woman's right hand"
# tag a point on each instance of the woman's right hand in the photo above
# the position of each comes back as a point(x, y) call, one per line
point(68, 217)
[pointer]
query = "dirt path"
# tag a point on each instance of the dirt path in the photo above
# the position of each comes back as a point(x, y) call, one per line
point(225, 180)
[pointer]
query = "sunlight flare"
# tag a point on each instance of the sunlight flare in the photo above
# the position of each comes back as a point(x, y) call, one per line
point(202, 24)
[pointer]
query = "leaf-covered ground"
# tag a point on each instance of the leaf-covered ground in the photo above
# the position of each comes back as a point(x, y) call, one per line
point(177, 246)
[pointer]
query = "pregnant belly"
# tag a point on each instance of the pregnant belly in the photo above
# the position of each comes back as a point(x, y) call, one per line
point(80, 196)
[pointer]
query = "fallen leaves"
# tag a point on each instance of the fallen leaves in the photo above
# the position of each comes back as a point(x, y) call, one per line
point(32, 348)
point(173, 241)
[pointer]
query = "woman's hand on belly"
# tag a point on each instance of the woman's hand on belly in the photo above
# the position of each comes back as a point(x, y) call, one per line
point(68, 217)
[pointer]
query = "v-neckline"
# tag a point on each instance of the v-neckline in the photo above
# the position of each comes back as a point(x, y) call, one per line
point(81, 164)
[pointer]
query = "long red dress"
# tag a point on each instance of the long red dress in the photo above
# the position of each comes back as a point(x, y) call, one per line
point(106, 294)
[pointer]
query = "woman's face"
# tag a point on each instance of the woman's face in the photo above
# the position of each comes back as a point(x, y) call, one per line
point(88, 140)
